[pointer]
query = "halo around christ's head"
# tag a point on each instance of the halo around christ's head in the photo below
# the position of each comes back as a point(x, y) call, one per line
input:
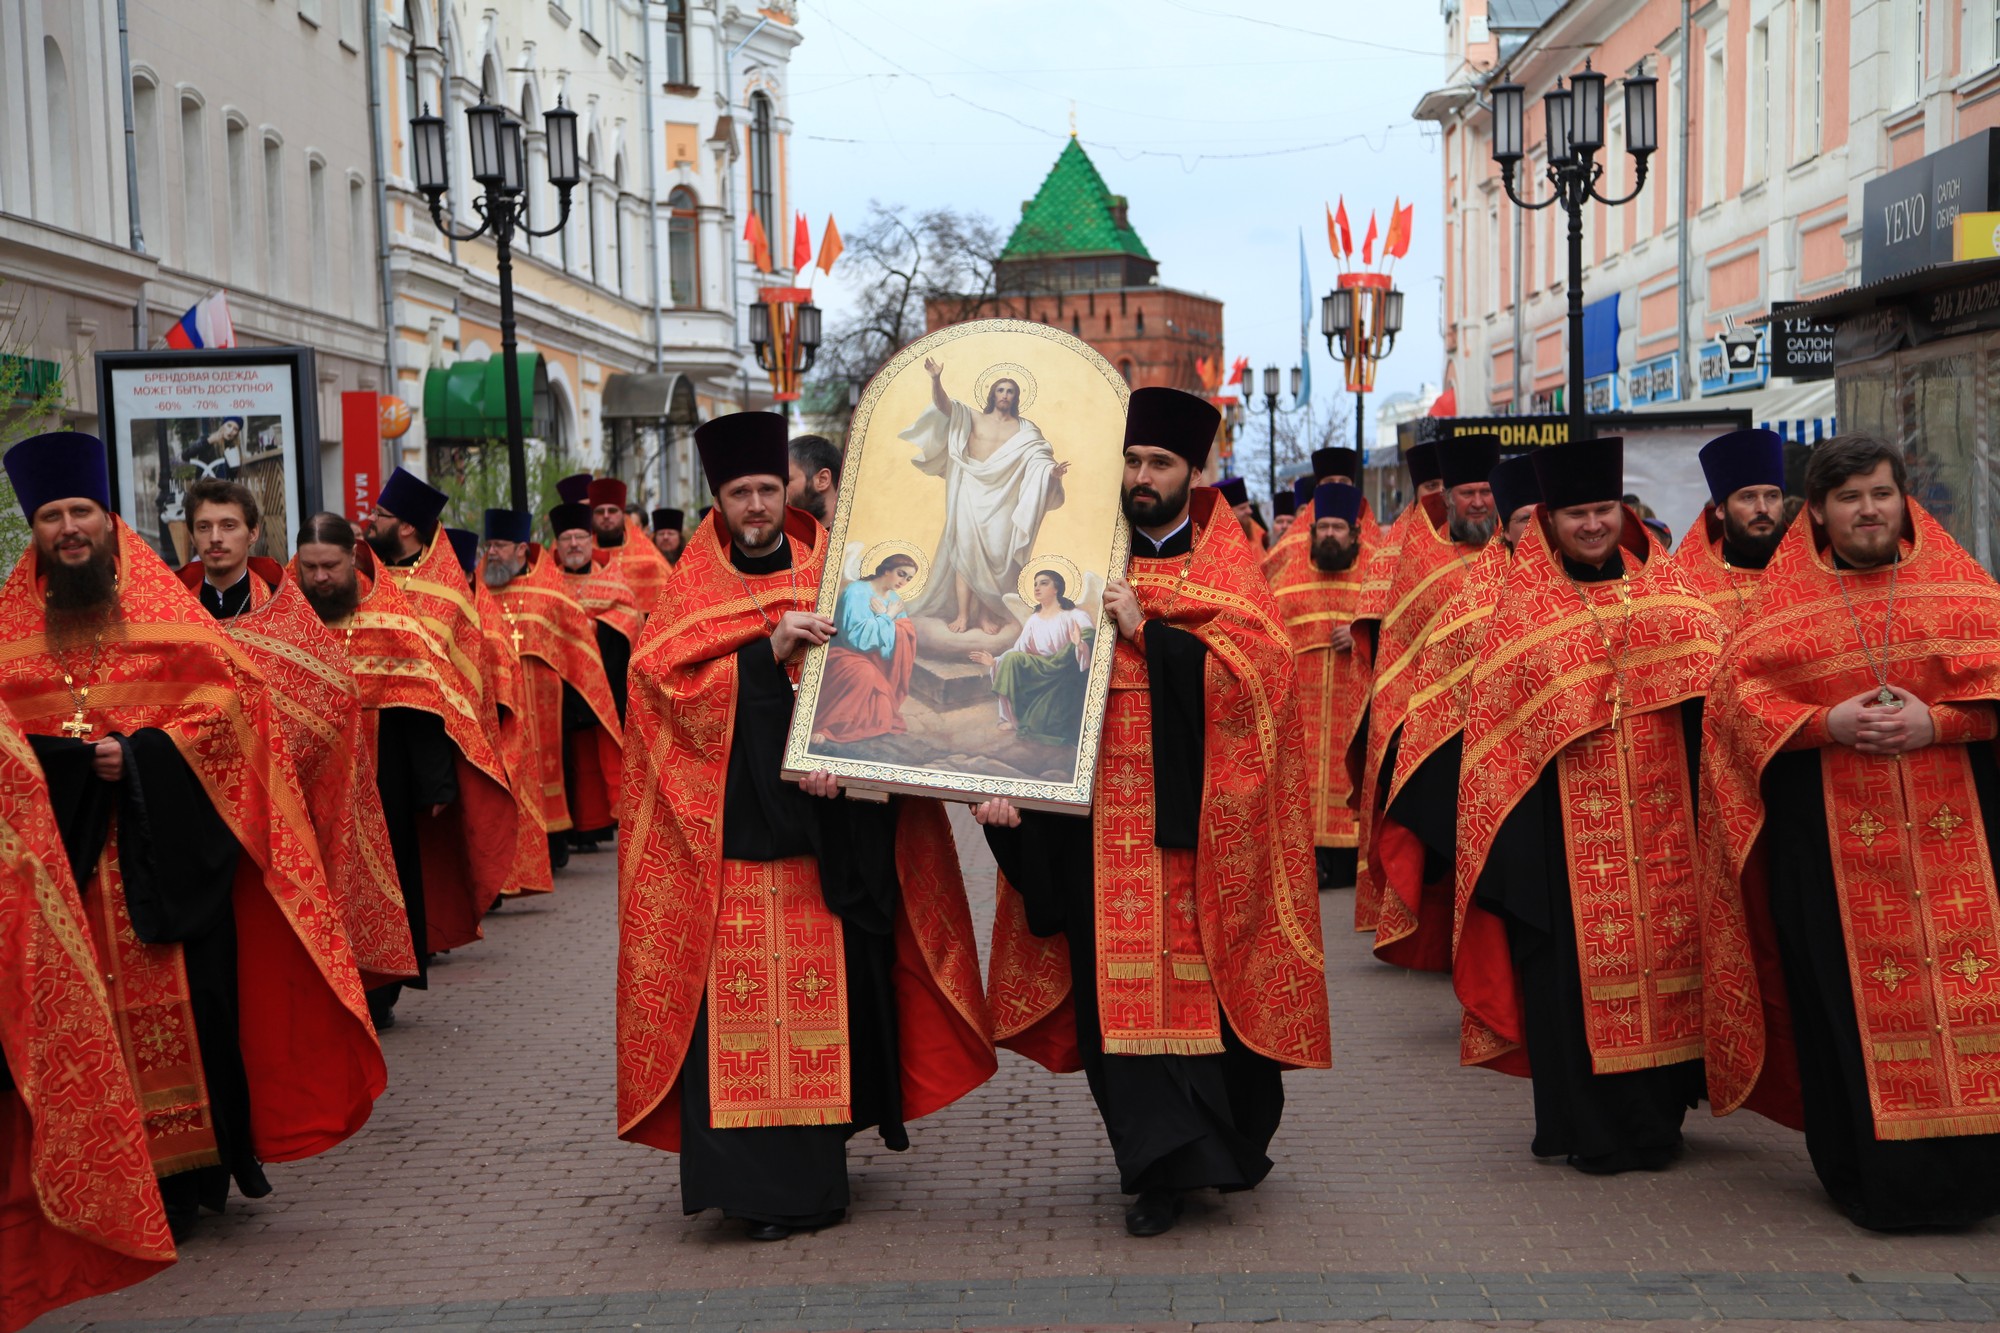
point(872, 558)
point(1005, 370)
point(1072, 577)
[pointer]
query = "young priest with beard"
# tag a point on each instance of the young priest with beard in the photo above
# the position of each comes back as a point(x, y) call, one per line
point(667, 533)
point(1318, 600)
point(185, 824)
point(1168, 944)
point(622, 545)
point(1851, 929)
point(791, 969)
point(1724, 553)
point(1579, 954)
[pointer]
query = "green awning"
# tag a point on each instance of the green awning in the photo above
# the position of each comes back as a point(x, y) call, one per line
point(27, 379)
point(468, 401)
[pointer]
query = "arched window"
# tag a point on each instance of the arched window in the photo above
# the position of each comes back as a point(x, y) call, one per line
point(1139, 322)
point(593, 238)
point(1125, 369)
point(763, 178)
point(683, 252)
point(146, 140)
point(677, 44)
point(1076, 326)
point(197, 208)
point(617, 236)
point(319, 234)
point(62, 142)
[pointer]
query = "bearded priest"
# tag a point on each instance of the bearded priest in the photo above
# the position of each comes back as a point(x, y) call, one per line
point(178, 796)
point(1579, 957)
point(602, 591)
point(1852, 977)
point(622, 545)
point(793, 968)
point(1168, 944)
point(1723, 554)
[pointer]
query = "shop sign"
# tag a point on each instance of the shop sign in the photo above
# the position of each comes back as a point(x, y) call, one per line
point(1654, 381)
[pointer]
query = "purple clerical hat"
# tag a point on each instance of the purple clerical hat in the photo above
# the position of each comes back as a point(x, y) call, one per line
point(62, 465)
point(1743, 458)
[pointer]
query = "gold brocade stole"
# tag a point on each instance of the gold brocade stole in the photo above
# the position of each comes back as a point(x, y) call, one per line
point(1628, 829)
point(155, 1016)
point(1154, 994)
point(1914, 876)
point(777, 1000)
point(542, 691)
point(1337, 690)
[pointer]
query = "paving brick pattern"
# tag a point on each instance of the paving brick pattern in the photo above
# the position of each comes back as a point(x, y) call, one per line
point(489, 1190)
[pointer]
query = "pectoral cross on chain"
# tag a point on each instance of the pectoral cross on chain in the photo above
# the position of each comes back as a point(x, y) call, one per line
point(76, 728)
point(517, 636)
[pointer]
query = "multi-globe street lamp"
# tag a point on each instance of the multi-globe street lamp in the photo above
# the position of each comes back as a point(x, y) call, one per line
point(1271, 415)
point(1361, 318)
point(500, 165)
point(785, 334)
point(1574, 122)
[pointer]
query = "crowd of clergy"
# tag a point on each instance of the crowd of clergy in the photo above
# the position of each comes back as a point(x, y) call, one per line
point(1715, 822)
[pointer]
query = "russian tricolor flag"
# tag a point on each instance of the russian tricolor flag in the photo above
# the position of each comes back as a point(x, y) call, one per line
point(207, 325)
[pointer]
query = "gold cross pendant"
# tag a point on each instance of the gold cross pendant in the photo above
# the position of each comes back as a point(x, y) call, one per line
point(76, 728)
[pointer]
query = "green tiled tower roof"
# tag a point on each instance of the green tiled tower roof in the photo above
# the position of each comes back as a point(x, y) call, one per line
point(1074, 213)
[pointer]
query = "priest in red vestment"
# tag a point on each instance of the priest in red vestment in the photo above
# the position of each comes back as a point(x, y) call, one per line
point(1284, 508)
point(791, 969)
point(1416, 842)
point(1852, 801)
point(1420, 463)
point(1579, 956)
point(576, 727)
point(1169, 943)
point(622, 545)
point(1438, 547)
point(261, 607)
point(667, 535)
point(80, 1210)
point(602, 591)
point(1723, 553)
point(227, 958)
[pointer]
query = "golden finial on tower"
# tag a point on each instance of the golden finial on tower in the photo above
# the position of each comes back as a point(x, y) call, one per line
point(1072, 117)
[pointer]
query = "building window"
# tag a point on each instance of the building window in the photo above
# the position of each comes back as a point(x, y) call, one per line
point(62, 143)
point(146, 140)
point(586, 13)
point(1714, 127)
point(319, 233)
point(278, 279)
point(593, 233)
point(1139, 323)
point(359, 250)
point(242, 221)
point(1810, 68)
point(683, 252)
point(617, 237)
point(1758, 109)
point(763, 179)
point(309, 11)
point(1125, 369)
point(677, 44)
point(196, 210)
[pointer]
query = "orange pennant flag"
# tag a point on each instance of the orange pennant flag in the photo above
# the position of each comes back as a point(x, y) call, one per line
point(1332, 233)
point(1368, 242)
point(760, 244)
point(829, 246)
point(802, 243)
point(1345, 249)
point(1400, 227)
point(1394, 235)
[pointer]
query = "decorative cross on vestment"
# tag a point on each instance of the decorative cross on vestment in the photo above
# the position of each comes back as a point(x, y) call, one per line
point(76, 728)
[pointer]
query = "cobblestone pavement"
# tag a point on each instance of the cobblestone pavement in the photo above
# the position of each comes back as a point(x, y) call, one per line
point(489, 1191)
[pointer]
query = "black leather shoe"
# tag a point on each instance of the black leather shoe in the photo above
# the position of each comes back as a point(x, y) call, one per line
point(1154, 1214)
point(182, 1221)
point(767, 1231)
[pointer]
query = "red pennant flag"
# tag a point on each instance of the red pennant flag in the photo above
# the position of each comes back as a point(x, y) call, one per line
point(1400, 245)
point(1241, 371)
point(1394, 235)
point(760, 244)
point(1368, 241)
point(802, 243)
point(1346, 248)
point(829, 246)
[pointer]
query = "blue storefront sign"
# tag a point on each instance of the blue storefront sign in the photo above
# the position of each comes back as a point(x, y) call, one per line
point(1654, 381)
point(1727, 364)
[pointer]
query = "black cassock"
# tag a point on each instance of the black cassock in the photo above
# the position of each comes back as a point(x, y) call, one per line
point(1175, 1121)
point(796, 1175)
point(416, 770)
point(1882, 1184)
point(1601, 1122)
point(178, 859)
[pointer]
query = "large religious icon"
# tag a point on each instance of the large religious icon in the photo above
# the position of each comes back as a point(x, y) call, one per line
point(977, 525)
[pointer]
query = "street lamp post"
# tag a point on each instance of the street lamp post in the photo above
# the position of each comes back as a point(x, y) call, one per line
point(1574, 120)
point(500, 165)
point(785, 333)
point(1360, 319)
point(1271, 416)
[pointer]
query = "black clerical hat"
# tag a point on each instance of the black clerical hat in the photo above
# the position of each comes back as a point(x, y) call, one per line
point(1302, 492)
point(1335, 461)
point(667, 518)
point(509, 525)
point(1743, 458)
point(464, 545)
point(1235, 491)
point(61, 465)
point(1422, 462)
point(1464, 459)
point(574, 489)
point(1284, 505)
point(1336, 499)
point(743, 444)
point(408, 497)
point(1582, 472)
point(569, 518)
point(1169, 419)
point(1514, 484)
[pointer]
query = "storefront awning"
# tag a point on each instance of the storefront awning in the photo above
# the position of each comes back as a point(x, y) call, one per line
point(665, 397)
point(468, 401)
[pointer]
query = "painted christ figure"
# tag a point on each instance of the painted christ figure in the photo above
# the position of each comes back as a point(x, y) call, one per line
point(1001, 476)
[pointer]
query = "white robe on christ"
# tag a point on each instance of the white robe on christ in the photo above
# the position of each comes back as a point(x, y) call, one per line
point(993, 509)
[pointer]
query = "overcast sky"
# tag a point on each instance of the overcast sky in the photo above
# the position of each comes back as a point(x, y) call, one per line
point(1228, 124)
